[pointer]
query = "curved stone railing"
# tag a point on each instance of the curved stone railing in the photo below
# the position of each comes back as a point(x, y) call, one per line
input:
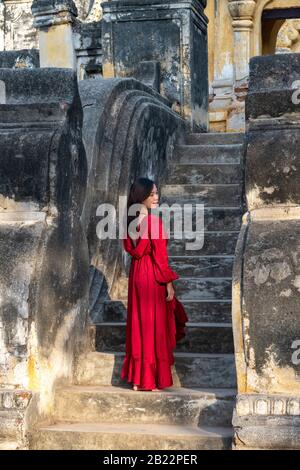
point(43, 248)
point(57, 166)
point(129, 131)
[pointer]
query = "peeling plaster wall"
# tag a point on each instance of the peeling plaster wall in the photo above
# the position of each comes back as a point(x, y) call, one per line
point(17, 26)
point(15, 312)
point(266, 300)
point(272, 274)
point(89, 10)
point(272, 259)
point(83, 7)
point(43, 247)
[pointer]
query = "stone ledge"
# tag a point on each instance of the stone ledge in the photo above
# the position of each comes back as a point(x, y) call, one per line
point(53, 12)
point(118, 10)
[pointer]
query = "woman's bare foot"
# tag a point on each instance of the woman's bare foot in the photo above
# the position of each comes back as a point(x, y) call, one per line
point(137, 388)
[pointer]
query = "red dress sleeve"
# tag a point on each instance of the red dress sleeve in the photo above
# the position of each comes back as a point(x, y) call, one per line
point(162, 271)
point(142, 243)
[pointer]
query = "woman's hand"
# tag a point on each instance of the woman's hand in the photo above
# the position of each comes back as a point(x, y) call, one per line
point(170, 291)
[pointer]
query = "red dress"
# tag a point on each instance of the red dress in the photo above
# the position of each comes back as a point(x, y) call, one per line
point(153, 324)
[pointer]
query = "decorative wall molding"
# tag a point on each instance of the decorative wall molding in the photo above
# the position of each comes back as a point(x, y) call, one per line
point(271, 405)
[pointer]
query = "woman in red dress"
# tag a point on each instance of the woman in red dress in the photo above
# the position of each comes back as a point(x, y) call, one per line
point(155, 317)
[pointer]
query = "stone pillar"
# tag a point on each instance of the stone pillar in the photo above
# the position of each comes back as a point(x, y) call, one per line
point(223, 73)
point(242, 12)
point(171, 32)
point(266, 275)
point(54, 19)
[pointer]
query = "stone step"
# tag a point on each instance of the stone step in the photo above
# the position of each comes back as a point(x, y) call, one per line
point(211, 311)
point(202, 266)
point(96, 436)
point(215, 338)
point(195, 288)
point(185, 406)
point(208, 153)
point(215, 218)
point(215, 243)
point(189, 370)
point(10, 444)
point(192, 288)
point(206, 173)
point(208, 194)
point(115, 310)
point(217, 138)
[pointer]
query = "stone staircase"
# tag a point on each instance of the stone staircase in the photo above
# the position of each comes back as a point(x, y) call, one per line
point(100, 411)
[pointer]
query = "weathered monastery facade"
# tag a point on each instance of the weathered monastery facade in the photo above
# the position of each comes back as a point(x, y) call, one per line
point(204, 98)
point(237, 31)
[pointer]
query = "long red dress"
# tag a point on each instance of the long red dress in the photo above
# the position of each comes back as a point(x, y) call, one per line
point(153, 324)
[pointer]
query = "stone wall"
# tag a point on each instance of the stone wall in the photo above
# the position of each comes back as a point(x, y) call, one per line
point(16, 22)
point(170, 54)
point(43, 248)
point(172, 34)
point(266, 294)
point(24, 58)
point(68, 40)
point(49, 194)
point(88, 47)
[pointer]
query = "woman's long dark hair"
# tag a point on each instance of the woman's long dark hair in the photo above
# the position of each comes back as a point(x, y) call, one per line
point(140, 190)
